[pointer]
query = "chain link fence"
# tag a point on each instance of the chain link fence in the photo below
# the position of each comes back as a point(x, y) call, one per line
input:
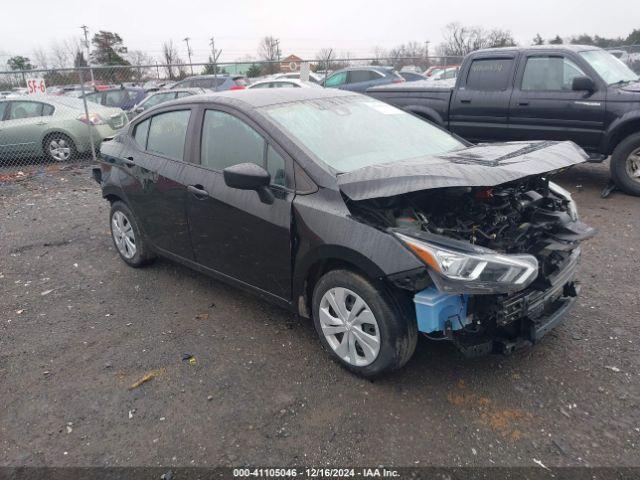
point(60, 116)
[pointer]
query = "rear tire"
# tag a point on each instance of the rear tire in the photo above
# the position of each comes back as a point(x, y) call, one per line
point(58, 147)
point(371, 333)
point(625, 165)
point(127, 237)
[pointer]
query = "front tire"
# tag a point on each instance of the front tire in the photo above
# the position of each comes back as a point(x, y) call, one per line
point(60, 148)
point(361, 325)
point(127, 237)
point(625, 165)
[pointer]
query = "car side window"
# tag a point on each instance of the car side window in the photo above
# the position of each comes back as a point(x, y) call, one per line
point(141, 132)
point(544, 73)
point(227, 140)
point(159, 98)
point(3, 108)
point(356, 76)
point(276, 167)
point(47, 110)
point(489, 74)
point(94, 97)
point(168, 133)
point(116, 98)
point(21, 110)
point(336, 80)
point(183, 94)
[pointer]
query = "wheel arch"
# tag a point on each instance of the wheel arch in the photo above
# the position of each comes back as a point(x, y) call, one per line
point(322, 260)
point(620, 131)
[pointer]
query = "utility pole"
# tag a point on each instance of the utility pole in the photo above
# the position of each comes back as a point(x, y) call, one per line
point(278, 53)
point(215, 54)
point(426, 53)
point(85, 29)
point(186, 39)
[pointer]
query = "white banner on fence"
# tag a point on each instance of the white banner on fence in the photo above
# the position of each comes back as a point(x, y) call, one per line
point(305, 68)
point(36, 86)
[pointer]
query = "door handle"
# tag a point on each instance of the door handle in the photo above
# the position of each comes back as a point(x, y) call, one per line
point(198, 191)
point(465, 100)
point(128, 161)
point(523, 103)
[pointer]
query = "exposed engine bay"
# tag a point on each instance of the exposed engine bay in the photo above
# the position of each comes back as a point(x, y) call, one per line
point(527, 216)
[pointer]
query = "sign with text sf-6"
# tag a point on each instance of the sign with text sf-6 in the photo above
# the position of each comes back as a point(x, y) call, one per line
point(36, 86)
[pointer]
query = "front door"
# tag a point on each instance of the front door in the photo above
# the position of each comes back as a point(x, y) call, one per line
point(480, 105)
point(544, 106)
point(154, 169)
point(233, 232)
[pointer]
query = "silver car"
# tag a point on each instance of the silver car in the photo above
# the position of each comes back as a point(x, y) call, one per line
point(54, 126)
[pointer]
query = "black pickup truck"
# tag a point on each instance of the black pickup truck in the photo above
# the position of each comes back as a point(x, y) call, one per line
point(548, 92)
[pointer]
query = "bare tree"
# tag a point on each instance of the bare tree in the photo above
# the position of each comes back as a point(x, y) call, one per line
point(459, 40)
point(412, 53)
point(380, 56)
point(324, 58)
point(138, 58)
point(170, 58)
point(269, 51)
point(41, 58)
point(60, 57)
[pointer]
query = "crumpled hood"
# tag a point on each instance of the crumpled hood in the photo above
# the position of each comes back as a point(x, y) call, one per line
point(483, 165)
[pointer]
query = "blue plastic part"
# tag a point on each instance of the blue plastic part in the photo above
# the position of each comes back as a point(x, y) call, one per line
point(434, 308)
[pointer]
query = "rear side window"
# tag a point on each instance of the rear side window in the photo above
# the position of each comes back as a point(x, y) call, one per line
point(276, 167)
point(356, 76)
point(183, 94)
point(549, 73)
point(168, 132)
point(141, 133)
point(47, 110)
point(489, 74)
point(227, 141)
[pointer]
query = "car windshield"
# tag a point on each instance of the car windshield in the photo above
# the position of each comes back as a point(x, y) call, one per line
point(610, 68)
point(353, 132)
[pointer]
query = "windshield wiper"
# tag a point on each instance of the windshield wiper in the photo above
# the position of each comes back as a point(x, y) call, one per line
point(622, 82)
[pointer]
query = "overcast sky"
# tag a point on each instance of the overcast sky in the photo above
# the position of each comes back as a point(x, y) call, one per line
point(304, 26)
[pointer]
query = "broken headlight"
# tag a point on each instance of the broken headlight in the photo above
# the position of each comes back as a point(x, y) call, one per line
point(572, 209)
point(479, 271)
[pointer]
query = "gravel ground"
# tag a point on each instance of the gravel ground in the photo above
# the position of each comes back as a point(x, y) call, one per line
point(78, 328)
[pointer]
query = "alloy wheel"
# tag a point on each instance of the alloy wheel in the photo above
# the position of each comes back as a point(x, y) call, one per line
point(633, 165)
point(60, 149)
point(123, 235)
point(349, 326)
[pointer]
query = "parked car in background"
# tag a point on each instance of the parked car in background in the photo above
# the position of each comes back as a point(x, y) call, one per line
point(548, 92)
point(217, 83)
point(358, 79)
point(341, 208)
point(429, 72)
point(121, 97)
point(55, 126)
point(5, 93)
point(296, 75)
point(411, 76)
point(283, 83)
point(161, 96)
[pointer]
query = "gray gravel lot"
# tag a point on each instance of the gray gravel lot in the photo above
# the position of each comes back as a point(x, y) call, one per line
point(78, 328)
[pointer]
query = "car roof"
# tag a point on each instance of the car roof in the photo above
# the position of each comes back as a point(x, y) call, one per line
point(566, 47)
point(378, 68)
point(259, 97)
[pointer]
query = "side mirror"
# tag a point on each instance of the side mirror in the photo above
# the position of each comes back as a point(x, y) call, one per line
point(583, 83)
point(249, 176)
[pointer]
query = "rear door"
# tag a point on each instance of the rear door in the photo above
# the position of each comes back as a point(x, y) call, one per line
point(233, 232)
point(154, 164)
point(24, 127)
point(479, 108)
point(544, 106)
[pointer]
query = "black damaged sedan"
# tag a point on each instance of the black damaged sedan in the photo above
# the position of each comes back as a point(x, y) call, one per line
point(372, 222)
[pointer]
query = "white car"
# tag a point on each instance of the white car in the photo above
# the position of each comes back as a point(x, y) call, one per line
point(296, 75)
point(283, 83)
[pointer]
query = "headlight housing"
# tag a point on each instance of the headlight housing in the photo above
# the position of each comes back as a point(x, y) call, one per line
point(572, 208)
point(481, 271)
